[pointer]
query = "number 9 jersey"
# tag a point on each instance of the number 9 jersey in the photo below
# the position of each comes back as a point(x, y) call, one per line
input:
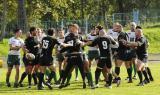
point(104, 44)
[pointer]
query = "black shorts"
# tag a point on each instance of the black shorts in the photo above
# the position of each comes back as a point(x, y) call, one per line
point(124, 56)
point(13, 60)
point(104, 61)
point(46, 61)
point(133, 53)
point(144, 59)
point(75, 59)
point(26, 62)
point(93, 54)
point(60, 57)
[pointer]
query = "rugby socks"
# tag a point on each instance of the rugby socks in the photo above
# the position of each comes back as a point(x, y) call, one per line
point(24, 74)
point(34, 78)
point(149, 73)
point(7, 77)
point(145, 75)
point(97, 75)
point(129, 71)
point(89, 77)
point(47, 72)
point(41, 78)
point(140, 76)
point(135, 70)
point(109, 79)
point(69, 78)
point(117, 70)
point(76, 71)
point(52, 75)
point(29, 79)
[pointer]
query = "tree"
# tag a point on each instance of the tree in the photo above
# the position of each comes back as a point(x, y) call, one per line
point(3, 20)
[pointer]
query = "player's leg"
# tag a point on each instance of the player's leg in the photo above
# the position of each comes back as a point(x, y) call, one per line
point(98, 71)
point(80, 64)
point(10, 63)
point(52, 75)
point(76, 73)
point(88, 73)
point(30, 69)
point(69, 66)
point(134, 68)
point(16, 76)
point(139, 72)
point(128, 65)
point(148, 69)
point(25, 73)
point(35, 72)
point(9, 70)
point(41, 77)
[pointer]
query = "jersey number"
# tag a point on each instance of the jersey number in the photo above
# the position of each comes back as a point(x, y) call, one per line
point(70, 42)
point(45, 44)
point(104, 43)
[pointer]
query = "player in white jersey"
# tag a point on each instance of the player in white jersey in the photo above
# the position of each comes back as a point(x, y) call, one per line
point(132, 38)
point(60, 57)
point(93, 52)
point(15, 44)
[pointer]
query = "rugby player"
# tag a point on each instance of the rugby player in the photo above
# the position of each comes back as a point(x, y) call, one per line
point(15, 44)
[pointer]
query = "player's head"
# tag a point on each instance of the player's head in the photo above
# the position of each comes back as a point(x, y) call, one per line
point(115, 26)
point(39, 32)
point(138, 27)
point(60, 32)
point(28, 34)
point(133, 26)
point(74, 29)
point(33, 31)
point(98, 28)
point(93, 30)
point(102, 33)
point(120, 28)
point(51, 32)
point(138, 32)
point(18, 32)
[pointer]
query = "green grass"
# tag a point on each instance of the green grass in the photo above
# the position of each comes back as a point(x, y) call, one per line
point(153, 35)
point(76, 87)
point(4, 47)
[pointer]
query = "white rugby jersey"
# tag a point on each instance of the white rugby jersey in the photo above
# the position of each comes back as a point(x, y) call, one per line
point(91, 38)
point(132, 36)
point(60, 40)
point(114, 35)
point(15, 42)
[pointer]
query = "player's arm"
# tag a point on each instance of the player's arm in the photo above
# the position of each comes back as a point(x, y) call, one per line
point(12, 47)
point(113, 41)
point(133, 44)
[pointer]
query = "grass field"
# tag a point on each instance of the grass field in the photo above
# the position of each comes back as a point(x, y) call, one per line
point(76, 86)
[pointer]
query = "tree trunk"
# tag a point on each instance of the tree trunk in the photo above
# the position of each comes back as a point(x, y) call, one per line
point(22, 19)
point(3, 28)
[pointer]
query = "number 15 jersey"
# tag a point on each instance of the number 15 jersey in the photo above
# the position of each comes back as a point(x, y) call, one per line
point(48, 44)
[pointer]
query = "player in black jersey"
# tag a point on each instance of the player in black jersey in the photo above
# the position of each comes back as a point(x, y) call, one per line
point(123, 55)
point(74, 55)
point(26, 64)
point(141, 51)
point(104, 44)
point(46, 59)
point(32, 45)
